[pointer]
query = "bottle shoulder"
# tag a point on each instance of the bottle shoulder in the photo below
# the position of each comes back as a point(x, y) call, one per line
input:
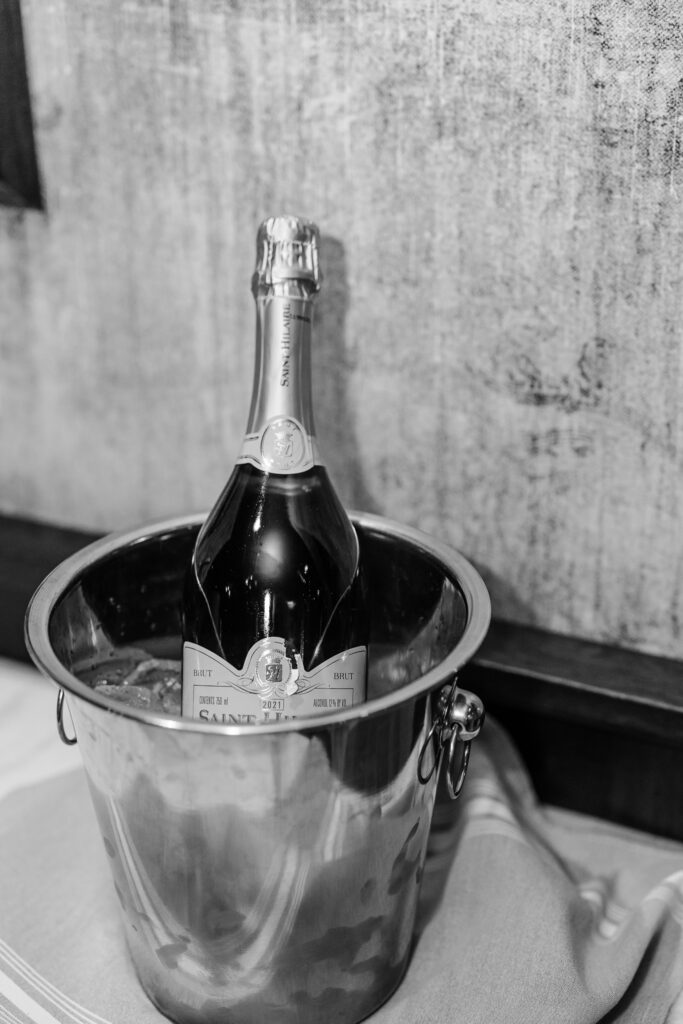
point(278, 526)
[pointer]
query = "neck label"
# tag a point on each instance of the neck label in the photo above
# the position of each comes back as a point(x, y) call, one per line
point(280, 436)
point(282, 446)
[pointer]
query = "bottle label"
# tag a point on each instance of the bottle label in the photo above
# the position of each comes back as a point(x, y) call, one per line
point(268, 687)
point(280, 431)
point(283, 446)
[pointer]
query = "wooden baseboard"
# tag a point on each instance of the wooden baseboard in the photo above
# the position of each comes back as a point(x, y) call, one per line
point(599, 727)
point(28, 552)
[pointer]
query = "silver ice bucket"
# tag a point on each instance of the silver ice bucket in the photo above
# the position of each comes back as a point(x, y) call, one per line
point(267, 873)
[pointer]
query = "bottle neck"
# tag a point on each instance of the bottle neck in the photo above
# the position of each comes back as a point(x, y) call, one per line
point(280, 436)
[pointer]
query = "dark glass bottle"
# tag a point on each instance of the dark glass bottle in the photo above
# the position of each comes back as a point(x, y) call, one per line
point(273, 619)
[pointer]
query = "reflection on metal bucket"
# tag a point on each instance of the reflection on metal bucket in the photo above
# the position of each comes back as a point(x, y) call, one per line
point(267, 873)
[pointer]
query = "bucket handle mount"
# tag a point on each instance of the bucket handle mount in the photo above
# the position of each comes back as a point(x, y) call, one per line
point(459, 716)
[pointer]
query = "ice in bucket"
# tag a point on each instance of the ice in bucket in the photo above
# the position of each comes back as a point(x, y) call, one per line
point(265, 873)
point(152, 684)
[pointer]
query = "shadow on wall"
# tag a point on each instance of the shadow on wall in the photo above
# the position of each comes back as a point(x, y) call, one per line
point(334, 359)
point(19, 177)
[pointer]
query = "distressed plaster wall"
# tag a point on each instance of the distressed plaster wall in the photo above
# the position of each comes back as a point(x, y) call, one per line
point(499, 185)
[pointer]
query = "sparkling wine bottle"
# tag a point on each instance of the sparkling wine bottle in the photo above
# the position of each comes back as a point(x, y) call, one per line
point(273, 619)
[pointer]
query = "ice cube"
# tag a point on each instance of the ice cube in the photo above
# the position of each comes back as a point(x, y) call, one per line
point(151, 684)
point(131, 696)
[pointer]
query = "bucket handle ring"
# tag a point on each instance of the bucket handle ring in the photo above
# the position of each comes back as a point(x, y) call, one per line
point(63, 735)
point(459, 716)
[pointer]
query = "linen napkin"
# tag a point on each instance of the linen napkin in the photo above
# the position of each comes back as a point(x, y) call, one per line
point(528, 913)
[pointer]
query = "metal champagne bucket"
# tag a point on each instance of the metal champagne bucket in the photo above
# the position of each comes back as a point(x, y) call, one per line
point(267, 873)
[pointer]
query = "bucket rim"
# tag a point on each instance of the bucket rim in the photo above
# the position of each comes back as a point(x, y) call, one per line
point(67, 573)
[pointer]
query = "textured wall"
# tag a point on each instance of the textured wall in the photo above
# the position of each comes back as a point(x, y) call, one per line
point(499, 183)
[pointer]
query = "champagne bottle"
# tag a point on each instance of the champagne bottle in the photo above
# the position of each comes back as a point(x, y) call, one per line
point(273, 619)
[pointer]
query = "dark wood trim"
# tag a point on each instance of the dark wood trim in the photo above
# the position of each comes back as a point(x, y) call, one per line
point(581, 681)
point(599, 727)
point(28, 552)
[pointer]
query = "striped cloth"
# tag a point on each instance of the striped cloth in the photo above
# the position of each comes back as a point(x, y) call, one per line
point(529, 915)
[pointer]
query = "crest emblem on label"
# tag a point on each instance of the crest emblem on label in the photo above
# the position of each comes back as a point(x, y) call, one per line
point(274, 675)
point(283, 445)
